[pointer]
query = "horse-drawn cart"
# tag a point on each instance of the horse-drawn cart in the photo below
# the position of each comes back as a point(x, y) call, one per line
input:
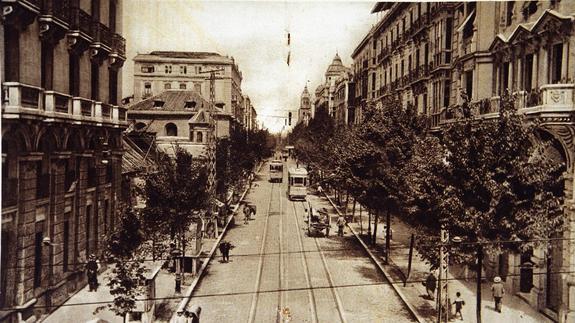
point(317, 221)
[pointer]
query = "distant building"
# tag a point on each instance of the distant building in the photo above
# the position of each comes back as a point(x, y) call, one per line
point(160, 71)
point(325, 93)
point(304, 111)
point(62, 147)
point(178, 118)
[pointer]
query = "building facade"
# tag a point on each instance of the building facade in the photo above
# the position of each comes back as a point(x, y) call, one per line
point(178, 118)
point(159, 71)
point(432, 55)
point(61, 147)
point(325, 93)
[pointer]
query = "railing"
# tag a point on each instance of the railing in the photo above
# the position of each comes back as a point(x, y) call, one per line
point(57, 102)
point(57, 8)
point(22, 95)
point(18, 96)
point(81, 20)
point(101, 33)
point(435, 119)
point(9, 191)
point(119, 44)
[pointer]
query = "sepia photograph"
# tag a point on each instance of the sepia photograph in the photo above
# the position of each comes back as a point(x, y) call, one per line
point(268, 161)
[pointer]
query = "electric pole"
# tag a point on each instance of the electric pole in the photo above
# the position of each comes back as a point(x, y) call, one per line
point(212, 136)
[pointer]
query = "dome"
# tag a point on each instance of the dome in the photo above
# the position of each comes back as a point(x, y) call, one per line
point(336, 65)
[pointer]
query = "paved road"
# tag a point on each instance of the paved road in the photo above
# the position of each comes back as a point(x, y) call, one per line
point(276, 265)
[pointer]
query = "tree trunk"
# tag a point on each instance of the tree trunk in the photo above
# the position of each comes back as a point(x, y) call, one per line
point(353, 211)
point(387, 235)
point(374, 240)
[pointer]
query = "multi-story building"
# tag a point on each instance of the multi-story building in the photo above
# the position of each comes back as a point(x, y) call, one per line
point(344, 110)
point(432, 55)
point(159, 71)
point(304, 111)
point(363, 64)
point(178, 118)
point(61, 147)
point(248, 114)
point(324, 93)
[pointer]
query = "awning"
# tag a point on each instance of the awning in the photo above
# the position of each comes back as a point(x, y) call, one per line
point(468, 20)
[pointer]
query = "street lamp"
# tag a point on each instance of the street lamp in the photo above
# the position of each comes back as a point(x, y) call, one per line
point(176, 253)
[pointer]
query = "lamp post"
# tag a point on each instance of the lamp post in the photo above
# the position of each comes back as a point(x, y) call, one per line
point(176, 253)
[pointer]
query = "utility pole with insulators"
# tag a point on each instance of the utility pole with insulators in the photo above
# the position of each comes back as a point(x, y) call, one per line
point(212, 136)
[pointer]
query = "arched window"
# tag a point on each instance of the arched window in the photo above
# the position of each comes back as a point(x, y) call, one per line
point(171, 130)
point(200, 136)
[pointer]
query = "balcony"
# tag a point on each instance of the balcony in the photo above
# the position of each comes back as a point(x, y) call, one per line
point(119, 45)
point(80, 32)
point(102, 39)
point(20, 13)
point(549, 98)
point(54, 19)
point(22, 101)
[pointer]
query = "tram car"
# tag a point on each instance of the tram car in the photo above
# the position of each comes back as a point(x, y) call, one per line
point(276, 171)
point(297, 183)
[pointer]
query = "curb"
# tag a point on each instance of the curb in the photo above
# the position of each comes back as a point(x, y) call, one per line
point(380, 267)
point(190, 290)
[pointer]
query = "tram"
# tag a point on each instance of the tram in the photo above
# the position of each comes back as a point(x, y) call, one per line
point(276, 171)
point(297, 183)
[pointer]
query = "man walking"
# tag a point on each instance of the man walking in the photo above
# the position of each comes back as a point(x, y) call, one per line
point(340, 223)
point(498, 292)
point(92, 268)
point(430, 283)
point(225, 247)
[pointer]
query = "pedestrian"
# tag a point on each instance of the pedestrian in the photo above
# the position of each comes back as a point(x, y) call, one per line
point(247, 213)
point(430, 284)
point(459, 302)
point(340, 223)
point(319, 189)
point(225, 248)
point(498, 291)
point(92, 267)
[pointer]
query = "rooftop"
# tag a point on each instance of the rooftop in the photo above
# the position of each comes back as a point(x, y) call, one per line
point(173, 100)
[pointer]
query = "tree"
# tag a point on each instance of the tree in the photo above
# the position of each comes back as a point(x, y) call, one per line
point(174, 192)
point(485, 181)
point(126, 254)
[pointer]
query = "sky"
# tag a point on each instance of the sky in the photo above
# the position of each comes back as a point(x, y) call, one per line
point(255, 34)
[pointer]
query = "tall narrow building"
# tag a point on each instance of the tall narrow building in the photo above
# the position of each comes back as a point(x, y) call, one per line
point(61, 147)
point(304, 111)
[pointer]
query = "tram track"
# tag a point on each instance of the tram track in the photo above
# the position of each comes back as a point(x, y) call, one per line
point(256, 294)
point(331, 285)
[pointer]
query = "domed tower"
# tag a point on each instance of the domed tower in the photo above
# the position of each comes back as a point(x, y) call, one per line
point(304, 113)
point(334, 70)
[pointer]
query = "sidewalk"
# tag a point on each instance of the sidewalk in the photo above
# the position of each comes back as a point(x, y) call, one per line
point(514, 308)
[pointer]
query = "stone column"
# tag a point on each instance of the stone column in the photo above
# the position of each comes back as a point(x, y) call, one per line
point(565, 60)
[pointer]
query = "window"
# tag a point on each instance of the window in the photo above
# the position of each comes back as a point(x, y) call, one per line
point(74, 75)
point(529, 8)
point(168, 69)
point(47, 65)
point(448, 32)
point(504, 74)
point(147, 89)
point(88, 236)
point(182, 86)
point(556, 63)
point(95, 81)
point(469, 84)
point(183, 69)
point(167, 86)
point(147, 69)
point(112, 16)
point(509, 13)
point(446, 92)
point(200, 136)
point(528, 72)
point(171, 130)
point(113, 86)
